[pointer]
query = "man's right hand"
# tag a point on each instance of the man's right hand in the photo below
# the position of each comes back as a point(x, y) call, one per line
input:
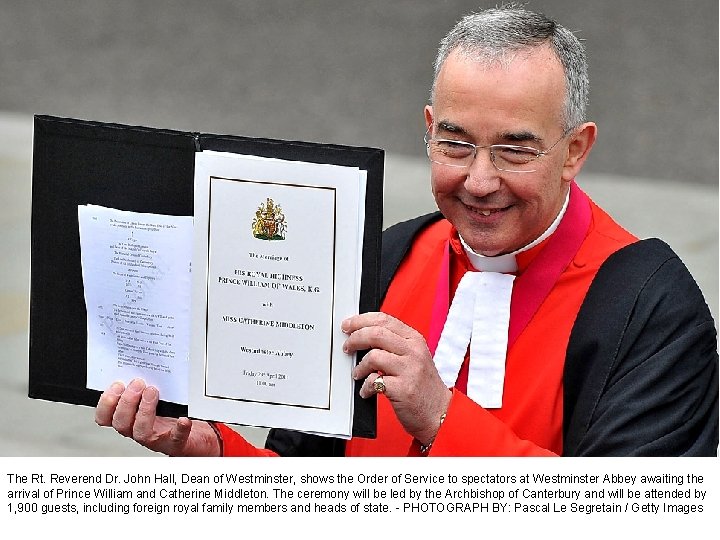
point(131, 412)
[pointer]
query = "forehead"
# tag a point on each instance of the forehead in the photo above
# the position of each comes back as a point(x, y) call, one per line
point(524, 91)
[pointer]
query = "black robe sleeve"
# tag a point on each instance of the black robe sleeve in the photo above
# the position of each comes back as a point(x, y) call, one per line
point(641, 374)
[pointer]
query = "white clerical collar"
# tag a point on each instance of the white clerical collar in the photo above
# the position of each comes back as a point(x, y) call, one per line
point(507, 263)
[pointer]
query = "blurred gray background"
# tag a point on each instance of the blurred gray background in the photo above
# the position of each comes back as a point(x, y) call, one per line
point(343, 72)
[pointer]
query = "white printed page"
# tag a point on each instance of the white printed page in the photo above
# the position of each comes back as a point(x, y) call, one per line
point(271, 292)
point(276, 268)
point(137, 280)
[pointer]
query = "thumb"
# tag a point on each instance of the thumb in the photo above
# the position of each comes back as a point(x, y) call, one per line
point(179, 435)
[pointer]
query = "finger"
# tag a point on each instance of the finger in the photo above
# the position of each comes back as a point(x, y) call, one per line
point(127, 407)
point(107, 403)
point(142, 427)
point(179, 435)
point(377, 360)
point(375, 337)
point(368, 386)
point(377, 318)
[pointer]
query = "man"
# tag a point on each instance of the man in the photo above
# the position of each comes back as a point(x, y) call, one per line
point(526, 322)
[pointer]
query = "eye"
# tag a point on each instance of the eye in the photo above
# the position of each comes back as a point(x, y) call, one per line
point(517, 155)
point(453, 149)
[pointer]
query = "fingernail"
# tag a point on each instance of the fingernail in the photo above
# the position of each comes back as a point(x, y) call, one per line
point(150, 394)
point(136, 385)
point(345, 348)
point(117, 388)
point(345, 325)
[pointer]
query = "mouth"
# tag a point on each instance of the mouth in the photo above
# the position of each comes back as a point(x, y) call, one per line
point(486, 211)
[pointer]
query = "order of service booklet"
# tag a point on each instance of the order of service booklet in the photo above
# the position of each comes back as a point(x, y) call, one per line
point(272, 264)
point(216, 267)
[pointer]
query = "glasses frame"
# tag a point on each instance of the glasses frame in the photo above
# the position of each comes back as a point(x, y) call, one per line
point(491, 147)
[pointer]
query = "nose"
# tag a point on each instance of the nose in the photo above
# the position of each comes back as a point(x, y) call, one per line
point(482, 176)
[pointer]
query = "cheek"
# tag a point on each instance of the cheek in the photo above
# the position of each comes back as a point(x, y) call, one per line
point(542, 202)
point(445, 182)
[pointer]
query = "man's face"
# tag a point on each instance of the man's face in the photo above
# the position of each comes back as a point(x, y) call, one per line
point(519, 104)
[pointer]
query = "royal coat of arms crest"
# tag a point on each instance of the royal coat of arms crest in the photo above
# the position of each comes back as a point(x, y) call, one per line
point(269, 222)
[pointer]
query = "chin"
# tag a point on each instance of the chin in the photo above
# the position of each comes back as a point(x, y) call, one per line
point(492, 252)
point(485, 248)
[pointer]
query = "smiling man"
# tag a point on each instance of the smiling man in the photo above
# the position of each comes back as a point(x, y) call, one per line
point(521, 319)
point(505, 192)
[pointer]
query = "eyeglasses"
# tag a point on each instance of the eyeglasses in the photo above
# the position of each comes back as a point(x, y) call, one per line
point(505, 157)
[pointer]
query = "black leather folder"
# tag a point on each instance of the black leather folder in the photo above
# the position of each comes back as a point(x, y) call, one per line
point(142, 169)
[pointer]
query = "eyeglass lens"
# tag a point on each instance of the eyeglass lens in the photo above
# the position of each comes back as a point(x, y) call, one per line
point(462, 154)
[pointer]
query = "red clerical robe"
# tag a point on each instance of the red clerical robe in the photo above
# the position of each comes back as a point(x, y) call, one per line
point(529, 423)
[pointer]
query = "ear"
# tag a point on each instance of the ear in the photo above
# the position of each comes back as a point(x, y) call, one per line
point(428, 116)
point(579, 147)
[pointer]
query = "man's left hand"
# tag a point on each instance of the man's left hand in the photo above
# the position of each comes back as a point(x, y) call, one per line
point(412, 383)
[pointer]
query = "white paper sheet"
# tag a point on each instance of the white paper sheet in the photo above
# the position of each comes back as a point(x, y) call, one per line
point(268, 302)
point(136, 275)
